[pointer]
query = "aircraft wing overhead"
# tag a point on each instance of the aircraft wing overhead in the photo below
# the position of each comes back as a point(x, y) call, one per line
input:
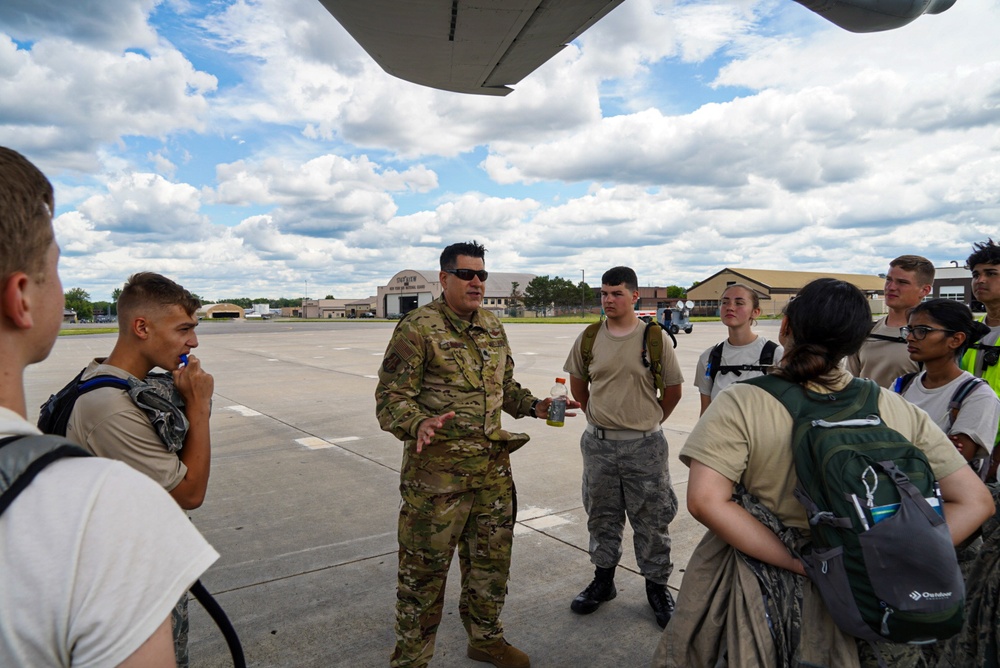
point(465, 46)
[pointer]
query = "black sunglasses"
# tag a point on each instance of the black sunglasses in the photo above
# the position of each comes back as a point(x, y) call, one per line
point(467, 274)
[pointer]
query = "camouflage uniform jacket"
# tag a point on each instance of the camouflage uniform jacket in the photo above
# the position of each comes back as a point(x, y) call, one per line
point(436, 362)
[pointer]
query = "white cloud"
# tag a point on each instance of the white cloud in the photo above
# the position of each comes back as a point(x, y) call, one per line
point(144, 207)
point(325, 196)
point(60, 101)
point(102, 24)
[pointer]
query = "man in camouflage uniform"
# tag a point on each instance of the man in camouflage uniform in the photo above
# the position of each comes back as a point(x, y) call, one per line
point(625, 467)
point(446, 375)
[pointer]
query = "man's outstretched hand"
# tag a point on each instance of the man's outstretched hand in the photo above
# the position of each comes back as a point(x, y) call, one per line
point(427, 428)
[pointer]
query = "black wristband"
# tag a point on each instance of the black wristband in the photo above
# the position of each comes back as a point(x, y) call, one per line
point(531, 411)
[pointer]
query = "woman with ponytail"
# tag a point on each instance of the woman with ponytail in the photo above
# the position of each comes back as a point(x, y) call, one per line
point(938, 333)
point(743, 355)
point(740, 487)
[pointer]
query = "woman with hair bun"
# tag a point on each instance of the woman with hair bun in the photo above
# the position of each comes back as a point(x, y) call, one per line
point(740, 487)
point(938, 333)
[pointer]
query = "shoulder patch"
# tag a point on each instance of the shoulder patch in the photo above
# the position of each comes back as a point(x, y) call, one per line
point(403, 348)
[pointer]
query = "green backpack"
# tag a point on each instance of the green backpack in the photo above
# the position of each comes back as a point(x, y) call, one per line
point(652, 341)
point(881, 553)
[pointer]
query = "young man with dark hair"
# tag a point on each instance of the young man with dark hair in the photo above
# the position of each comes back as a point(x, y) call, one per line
point(883, 357)
point(446, 375)
point(94, 555)
point(625, 459)
point(160, 425)
point(983, 358)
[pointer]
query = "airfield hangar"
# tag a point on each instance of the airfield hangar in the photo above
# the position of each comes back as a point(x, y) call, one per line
point(220, 312)
point(775, 288)
point(411, 288)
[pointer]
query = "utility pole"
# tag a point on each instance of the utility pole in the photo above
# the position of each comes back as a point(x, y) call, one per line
point(583, 292)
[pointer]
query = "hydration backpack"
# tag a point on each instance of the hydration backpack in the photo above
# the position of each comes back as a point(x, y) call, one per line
point(763, 365)
point(54, 414)
point(23, 457)
point(881, 553)
point(652, 342)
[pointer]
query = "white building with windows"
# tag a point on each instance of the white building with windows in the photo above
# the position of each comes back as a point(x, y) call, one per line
point(411, 288)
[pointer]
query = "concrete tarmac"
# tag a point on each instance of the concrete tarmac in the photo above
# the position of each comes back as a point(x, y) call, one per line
point(303, 500)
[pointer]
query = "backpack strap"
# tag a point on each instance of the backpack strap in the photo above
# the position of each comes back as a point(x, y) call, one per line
point(666, 329)
point(764, 362)
point(652, 340)
point(767, 353)
point(715, 360)
point(964, 390)
point(102, 381)
point(587, 347)
point(54, 414)
point(904, 381)
point(23, 457)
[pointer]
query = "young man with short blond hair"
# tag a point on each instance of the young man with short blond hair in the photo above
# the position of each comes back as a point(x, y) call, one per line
point(883, 357)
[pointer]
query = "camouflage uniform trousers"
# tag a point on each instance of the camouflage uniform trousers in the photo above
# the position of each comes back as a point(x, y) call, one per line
point(179, 622)
point(629, 478)
point(480, 523)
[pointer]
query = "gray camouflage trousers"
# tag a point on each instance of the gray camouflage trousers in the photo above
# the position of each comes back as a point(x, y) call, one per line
point(629, 478)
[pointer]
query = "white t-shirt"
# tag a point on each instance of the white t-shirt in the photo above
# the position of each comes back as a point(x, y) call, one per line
point(731, 356)
point(93, 557)
point(977, 418)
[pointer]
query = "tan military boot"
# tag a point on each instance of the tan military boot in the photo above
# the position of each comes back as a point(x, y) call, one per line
point(501, 654)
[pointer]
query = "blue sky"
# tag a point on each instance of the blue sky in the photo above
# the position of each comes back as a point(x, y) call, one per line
point(245, 148)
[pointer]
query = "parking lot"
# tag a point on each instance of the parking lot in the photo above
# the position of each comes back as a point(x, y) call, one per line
point(303, 499)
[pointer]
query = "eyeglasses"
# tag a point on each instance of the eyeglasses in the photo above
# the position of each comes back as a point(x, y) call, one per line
point(467, 274)
point(919, 332)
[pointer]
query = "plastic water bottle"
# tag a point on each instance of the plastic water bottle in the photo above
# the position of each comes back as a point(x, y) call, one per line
point(557, 409)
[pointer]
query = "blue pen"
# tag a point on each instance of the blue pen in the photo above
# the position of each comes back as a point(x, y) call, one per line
point(184, 360)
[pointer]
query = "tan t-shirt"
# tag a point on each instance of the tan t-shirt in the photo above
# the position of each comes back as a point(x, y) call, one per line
point(746, 436)
point(882, 361)
point(622, 391)
point(107, 422)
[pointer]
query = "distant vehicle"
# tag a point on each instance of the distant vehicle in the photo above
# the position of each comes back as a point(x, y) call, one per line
point(677, 318)
point(646, 315)
point(393, 316)
point(368, 314)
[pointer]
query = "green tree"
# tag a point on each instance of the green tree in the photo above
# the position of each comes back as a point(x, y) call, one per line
point(102, 308)
point(564, 294)
point(78, 299)
point(515, 299)
point(538, 294)
point(242, 302)
point(676, 292)
point(115, 294)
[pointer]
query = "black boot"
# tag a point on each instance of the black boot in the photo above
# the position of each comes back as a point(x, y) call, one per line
point(600, 590)
point(660, 601)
